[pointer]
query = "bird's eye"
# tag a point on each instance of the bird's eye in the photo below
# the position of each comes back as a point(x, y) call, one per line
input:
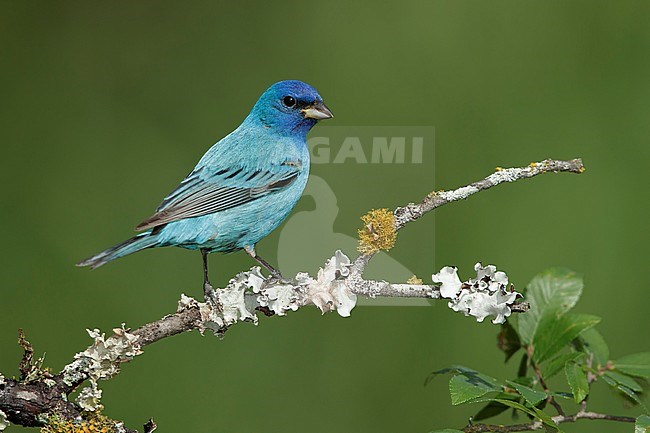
point(289, 101)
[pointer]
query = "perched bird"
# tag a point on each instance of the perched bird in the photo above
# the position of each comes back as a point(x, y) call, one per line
point(242, 188)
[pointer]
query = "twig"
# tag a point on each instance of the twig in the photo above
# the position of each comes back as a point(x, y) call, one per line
point(538, 425)
point(25, 367)
point(412, 211)
point(550, 399)
point(150, 426)
point(24, 403)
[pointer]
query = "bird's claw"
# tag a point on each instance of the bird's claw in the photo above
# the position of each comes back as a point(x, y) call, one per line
point(277, 278)
point(208, 291)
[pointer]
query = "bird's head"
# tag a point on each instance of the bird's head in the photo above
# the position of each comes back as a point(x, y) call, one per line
point(290, 107)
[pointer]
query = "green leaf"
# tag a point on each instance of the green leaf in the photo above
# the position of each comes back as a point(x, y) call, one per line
point(577, 379)
point(626, 391)
point(550, 294)
point(508, 340)
point(634, 365)
point(467, 384)
point(532, 396)
point(554, 333)
point(622, 379)
point(462, 391)
point(642, 424)
point(556, 364)
point(594, 343)
point(567, 395)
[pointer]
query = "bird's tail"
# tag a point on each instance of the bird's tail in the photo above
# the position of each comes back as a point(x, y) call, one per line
point(136, 243)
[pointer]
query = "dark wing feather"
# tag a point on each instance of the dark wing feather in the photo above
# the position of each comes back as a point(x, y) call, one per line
point(197, 196)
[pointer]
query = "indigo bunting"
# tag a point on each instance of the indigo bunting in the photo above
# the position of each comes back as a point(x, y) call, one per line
point(242, 188)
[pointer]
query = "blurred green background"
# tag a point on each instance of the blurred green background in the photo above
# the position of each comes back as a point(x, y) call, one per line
point(104, 107)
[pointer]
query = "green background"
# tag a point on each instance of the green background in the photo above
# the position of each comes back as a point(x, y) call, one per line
point(104, 107)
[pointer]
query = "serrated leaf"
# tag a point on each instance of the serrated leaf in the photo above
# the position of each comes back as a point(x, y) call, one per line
point(554, 333)
point(467, 384)
point(577, 379)
point(532, 396)
point(550, 294)
point(627, 391)
point(637, 364)
point(624, 380)
point(594, 343)
point(461, 391)
point(642, 424)
point(556, 364)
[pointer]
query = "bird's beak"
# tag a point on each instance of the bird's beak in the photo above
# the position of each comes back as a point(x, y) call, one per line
point(317, 111)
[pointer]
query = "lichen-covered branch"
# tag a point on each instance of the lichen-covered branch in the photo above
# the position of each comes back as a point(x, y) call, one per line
point(39, 398)
point(378, 230)
point(412, 212)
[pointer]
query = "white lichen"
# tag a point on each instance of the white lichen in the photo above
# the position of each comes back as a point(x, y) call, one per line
point(90, 396)
point(231, 299)
point(4, 422)
point(451, 284)
point(250, 290)
point(2, 379)
point(458, 194)
point(486, 294)
point(281, 298)
point(100, 361)
point(506, 175)
point(328, 290)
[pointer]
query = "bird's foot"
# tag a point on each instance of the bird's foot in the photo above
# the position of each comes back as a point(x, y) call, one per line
point(277, 278)
point(208, 292)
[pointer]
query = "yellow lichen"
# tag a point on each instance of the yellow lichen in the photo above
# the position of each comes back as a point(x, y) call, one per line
point(414, 280)
point(378, 232)
point(93, 423)
point(582, 169)
point(499, 168)
point(532, 165)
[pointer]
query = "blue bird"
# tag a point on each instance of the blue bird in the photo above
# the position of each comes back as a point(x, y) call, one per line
point(242, 188)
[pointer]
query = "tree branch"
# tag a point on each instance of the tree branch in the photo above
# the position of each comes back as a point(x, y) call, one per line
point(538, 425)
point(30, 400)
point(550, 399)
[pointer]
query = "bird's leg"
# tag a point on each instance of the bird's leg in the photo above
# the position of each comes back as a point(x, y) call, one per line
point(208, 290)
point(274, 272)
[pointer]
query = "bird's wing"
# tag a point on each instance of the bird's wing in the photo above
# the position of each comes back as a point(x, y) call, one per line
point(202, 193)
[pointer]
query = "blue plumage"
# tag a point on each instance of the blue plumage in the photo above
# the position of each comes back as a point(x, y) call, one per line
point(243, 187)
